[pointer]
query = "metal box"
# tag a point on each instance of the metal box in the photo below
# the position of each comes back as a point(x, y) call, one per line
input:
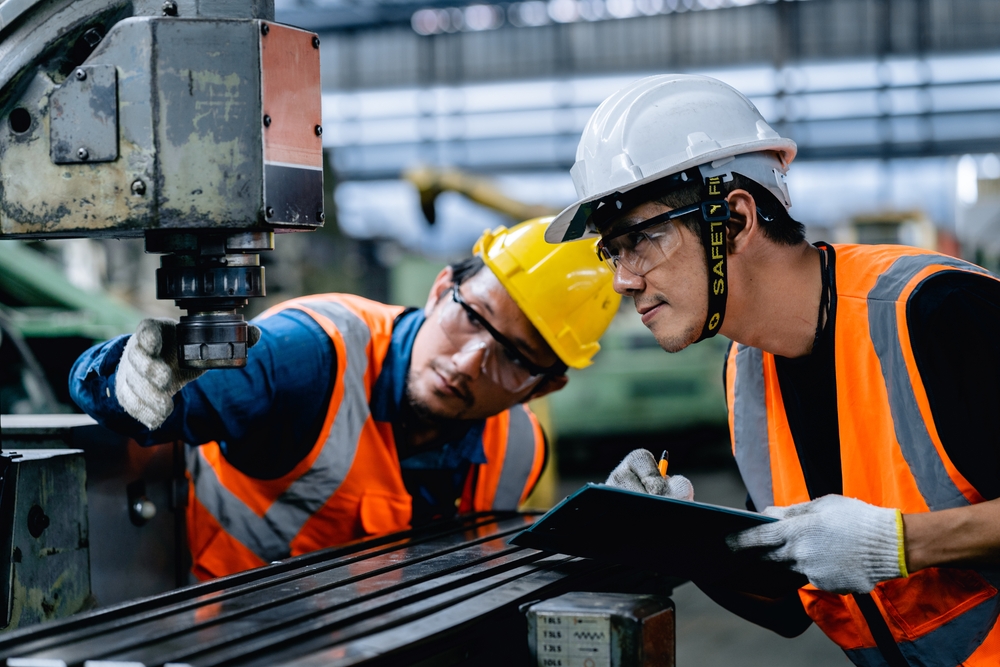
point(602, 630)
point(131, 555)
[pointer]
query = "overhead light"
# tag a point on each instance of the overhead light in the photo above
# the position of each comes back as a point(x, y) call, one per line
point(967, 187)
point(622, 9)
point(483, 17)
point(564, 11)
point(532, 13)
point(990, 166)
point(528, 14)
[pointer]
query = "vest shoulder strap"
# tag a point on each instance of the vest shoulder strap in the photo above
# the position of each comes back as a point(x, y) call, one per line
point(748, 422)
point(940, 485)
point(523, 460)
point(350, 327)
point(515, 450)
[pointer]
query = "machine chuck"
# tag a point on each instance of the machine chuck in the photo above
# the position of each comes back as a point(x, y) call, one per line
point(211, 276)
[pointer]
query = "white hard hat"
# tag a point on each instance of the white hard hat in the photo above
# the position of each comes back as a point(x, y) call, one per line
point(663, 125)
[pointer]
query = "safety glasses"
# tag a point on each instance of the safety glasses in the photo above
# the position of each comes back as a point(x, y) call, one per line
point(502, 362)
point(642, 247)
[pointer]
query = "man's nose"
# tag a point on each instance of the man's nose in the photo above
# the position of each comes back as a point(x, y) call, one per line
point(625, 281)
point(469, 360)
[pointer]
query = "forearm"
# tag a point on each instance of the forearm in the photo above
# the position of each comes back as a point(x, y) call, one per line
point(92, 385)
point(92, 388)
point(961, 536)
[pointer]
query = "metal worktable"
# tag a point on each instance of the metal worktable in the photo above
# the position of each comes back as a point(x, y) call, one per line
point(446, 594)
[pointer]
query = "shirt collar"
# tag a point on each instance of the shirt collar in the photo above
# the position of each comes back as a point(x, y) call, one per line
point(388, 395)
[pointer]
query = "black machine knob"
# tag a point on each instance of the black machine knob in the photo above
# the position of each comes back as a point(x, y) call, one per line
point(38, 521)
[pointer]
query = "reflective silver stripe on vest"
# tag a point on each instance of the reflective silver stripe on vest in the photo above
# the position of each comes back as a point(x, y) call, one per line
point(270, 536)
point(232, 514)
point(753, 452)
point(517, 462)
point(947, 646)
point(936, 486)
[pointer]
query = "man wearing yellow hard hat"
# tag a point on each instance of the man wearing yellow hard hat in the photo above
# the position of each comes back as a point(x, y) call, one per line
point(355, 418)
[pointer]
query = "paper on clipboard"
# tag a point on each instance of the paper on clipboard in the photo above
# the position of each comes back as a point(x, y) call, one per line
point(674, 537)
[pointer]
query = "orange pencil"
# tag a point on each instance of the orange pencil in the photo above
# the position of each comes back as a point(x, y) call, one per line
point(664, 461)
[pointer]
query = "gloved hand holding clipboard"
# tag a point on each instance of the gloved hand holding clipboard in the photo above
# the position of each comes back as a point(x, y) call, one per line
point(674, 537)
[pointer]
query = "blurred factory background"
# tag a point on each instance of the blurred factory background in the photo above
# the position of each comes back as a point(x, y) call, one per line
point(442, 118)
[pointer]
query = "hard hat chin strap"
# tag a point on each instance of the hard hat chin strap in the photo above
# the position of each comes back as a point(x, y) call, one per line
point(714, 216)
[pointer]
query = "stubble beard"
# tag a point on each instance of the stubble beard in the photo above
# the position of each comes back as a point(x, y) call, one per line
point(672, 342)
point(679, 342)
point(422, 409)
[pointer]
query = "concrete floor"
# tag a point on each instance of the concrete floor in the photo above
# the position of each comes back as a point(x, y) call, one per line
point(710, 636)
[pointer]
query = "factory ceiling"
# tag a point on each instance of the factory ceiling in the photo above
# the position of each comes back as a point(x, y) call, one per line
point(425, 42)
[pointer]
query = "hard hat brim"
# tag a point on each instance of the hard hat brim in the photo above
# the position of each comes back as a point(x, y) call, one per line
point(559, 228)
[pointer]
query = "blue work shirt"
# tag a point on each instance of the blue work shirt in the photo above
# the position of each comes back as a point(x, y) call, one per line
point(267, 416)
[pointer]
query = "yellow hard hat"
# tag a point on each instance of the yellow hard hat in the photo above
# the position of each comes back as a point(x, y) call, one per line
point(564, 289)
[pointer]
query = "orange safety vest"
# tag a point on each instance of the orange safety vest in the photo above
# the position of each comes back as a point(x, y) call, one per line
point(350, 484)
point(891, 456)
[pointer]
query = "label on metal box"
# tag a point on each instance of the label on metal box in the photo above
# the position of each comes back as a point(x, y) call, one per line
point(573, 640)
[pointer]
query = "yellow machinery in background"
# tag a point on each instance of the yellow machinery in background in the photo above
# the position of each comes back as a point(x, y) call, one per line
point(431, 182)
point(912, 228)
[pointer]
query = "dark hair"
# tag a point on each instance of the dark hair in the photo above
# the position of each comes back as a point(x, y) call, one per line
point(464, 269)
point(773, 219)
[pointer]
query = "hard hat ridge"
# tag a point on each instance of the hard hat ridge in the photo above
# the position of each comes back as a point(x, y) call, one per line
point(564, 290)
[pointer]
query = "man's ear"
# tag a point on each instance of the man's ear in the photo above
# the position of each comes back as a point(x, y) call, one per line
point(548, 385)
point(742, 226)
point(442, 283)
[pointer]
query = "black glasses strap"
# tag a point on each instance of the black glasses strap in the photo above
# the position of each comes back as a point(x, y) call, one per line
point(655, 220)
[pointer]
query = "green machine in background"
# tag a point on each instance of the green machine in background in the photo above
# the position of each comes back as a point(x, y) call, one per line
point(635, 387)
point(79, 524)
point(45, 323)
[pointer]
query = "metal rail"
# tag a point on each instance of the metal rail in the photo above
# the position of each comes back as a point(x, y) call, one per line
point(443, 595)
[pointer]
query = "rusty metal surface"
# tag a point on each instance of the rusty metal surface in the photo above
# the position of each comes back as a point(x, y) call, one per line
point(41, 197)
point(126, 561)
point(187, 91)
point(188, 141)
point(207, 101)
point(26, 42)
point(84, 116)
point(45, 565)
point(29, 28)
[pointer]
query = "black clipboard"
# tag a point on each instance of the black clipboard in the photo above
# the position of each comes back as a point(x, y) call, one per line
point(673, 537)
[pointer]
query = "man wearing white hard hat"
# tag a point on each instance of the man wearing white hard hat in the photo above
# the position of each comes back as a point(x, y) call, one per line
point(861, 382)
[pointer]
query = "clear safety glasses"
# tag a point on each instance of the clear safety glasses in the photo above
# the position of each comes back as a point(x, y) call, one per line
point(642, 247)
point(502, 362)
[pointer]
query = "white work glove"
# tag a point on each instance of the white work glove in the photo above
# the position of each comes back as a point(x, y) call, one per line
point(638, 472)
point(149, 374)
point(842, 545)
